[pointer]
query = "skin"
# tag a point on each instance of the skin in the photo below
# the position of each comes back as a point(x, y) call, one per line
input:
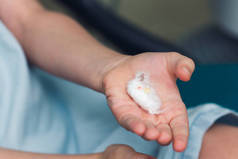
point(112, 152)
point(220, 142)
point(60, 46)
point(123, 152)
point(11, 154)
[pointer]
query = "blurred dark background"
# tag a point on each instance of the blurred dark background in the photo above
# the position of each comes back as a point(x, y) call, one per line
point(168, 19)
point(185, 26)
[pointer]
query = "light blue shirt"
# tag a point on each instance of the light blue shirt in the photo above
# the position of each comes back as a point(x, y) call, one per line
point(42, 113)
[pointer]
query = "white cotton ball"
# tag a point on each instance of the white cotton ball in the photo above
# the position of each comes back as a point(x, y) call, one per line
point(142, 92)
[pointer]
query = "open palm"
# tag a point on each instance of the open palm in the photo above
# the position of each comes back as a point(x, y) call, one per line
point(164, 69)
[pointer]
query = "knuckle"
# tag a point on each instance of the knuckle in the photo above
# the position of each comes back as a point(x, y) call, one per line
point(187, 59)
point(114, 150)
point(190, 61)
point(121, 149)
point(179, 122)
point(175, 54)
point(111, 147)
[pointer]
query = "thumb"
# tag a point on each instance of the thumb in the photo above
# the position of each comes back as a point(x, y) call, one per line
point(141, 156)
point(124, 152)
point(181, 66)
point(132, 154)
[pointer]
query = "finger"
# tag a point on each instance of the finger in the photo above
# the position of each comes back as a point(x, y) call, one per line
point(137, 155)
point(179, 126)
point(182, 66)
point(141, 156)
point(133, 124)
point(125, 152)
point(165, 136)
point(185, 68)
point(151, 132)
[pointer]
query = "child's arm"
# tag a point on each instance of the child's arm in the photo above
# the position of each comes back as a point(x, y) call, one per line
point(57, 44)
point(60, 46)
point(11, 154)
point(112, 152)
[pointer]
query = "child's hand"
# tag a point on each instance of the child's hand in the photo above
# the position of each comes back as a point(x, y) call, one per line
point(122, 152)
point(164, 69)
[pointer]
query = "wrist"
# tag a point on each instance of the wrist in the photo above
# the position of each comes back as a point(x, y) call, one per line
point(109, 65)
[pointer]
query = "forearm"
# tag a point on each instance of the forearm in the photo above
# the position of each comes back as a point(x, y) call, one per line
point(10, 154)
point(60, 46)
